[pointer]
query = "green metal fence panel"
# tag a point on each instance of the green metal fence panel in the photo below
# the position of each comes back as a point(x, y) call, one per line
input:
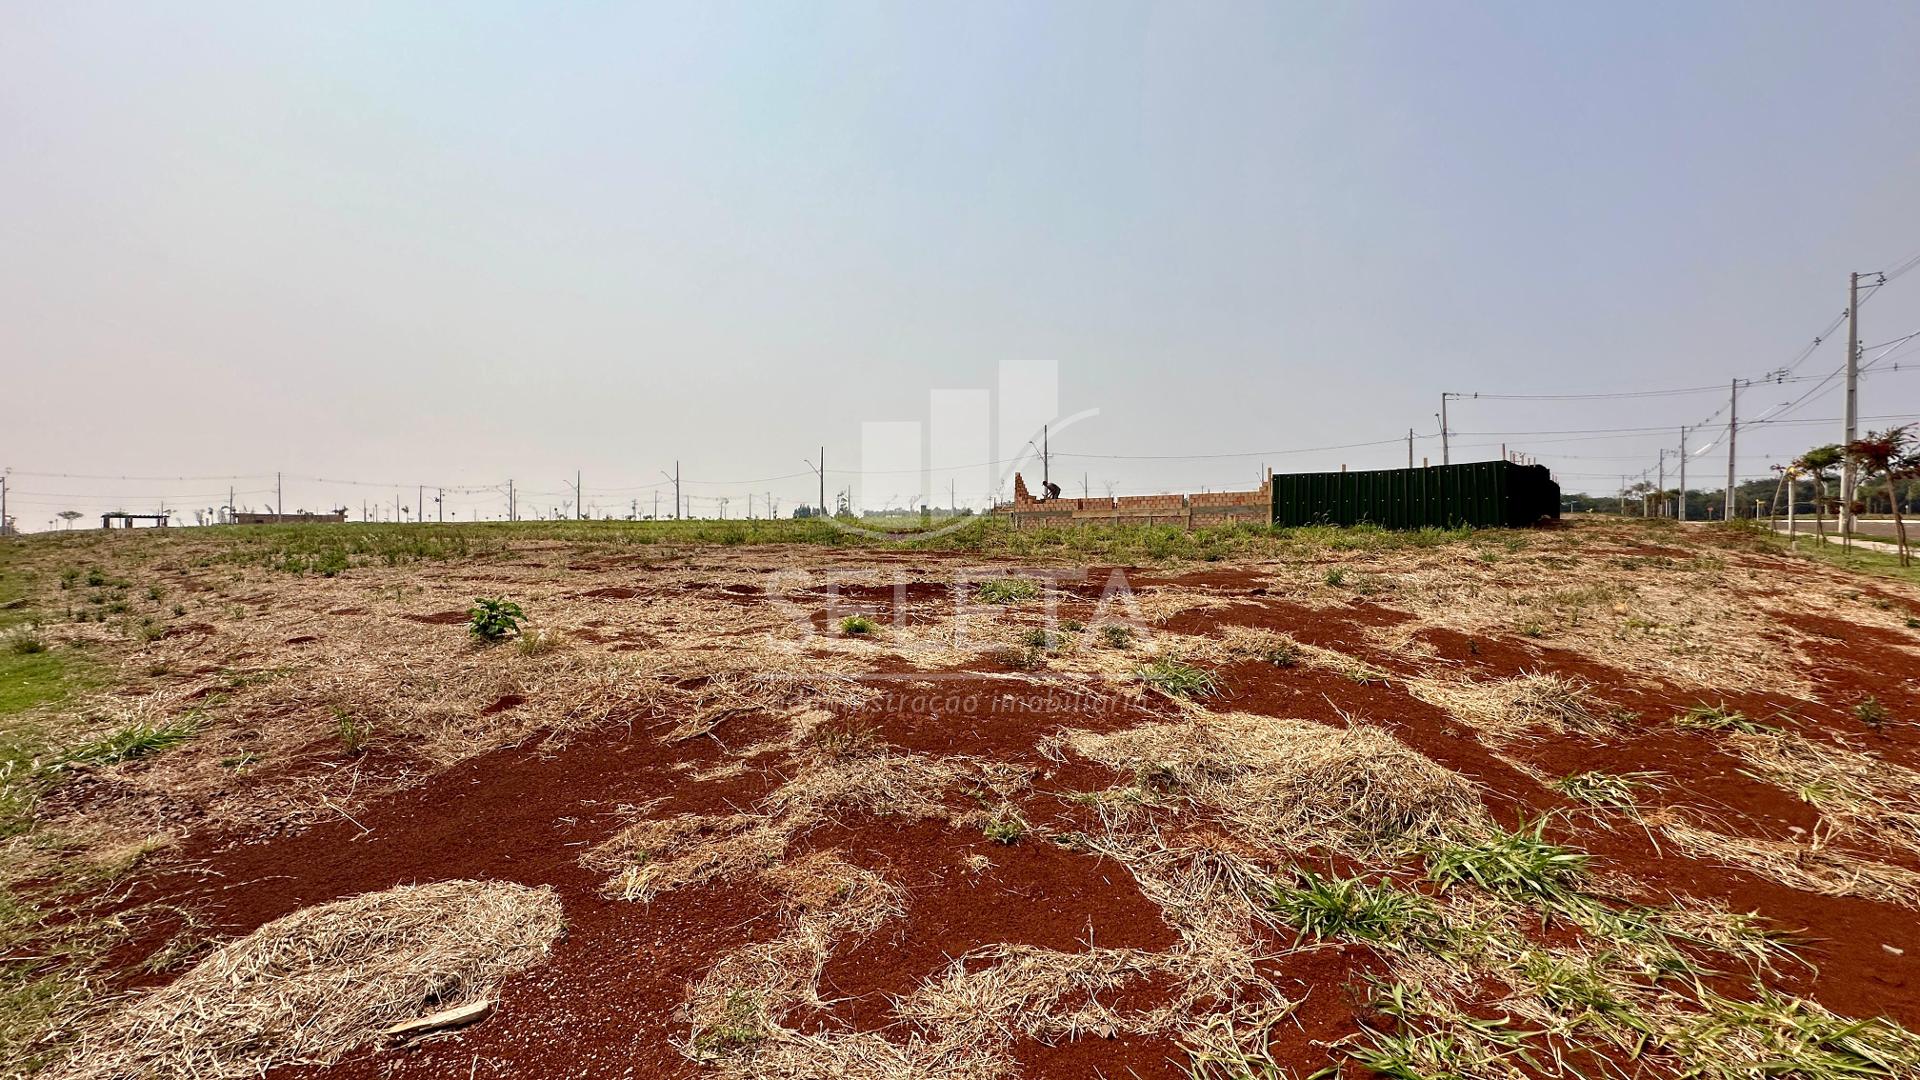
point(1482, 494)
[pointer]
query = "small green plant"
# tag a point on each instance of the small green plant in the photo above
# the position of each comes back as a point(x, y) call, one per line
point(69, 577)
point(858, 626)
point(1522, 864)
point(1008, 590)
point(1871, 713)
point(1072, 626)
point(1614, 791)
point(1018, 657)
point(96, 578)
point(1176, 678)
point(1116, 635)
point(1044, 640)
point(1282, 653)
point(351, 731)
point(1335, 577)
point(494, 620)
point(1005, 827)
point(1329, 907)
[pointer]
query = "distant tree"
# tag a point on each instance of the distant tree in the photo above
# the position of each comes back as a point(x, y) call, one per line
point(1888, 454)
point(69, 516)
point(1817, 464)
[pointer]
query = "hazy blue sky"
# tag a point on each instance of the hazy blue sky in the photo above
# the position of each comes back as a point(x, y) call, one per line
point(455, 243)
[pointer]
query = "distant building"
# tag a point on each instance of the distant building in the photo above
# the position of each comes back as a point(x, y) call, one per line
point(125, 520)
point(249, 517)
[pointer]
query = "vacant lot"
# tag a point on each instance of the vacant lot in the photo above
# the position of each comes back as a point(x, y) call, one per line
point(1611, 799)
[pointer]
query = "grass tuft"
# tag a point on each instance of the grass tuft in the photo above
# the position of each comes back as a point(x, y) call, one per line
point(1521, 865)
point(1008, 590)
point(1176, 678)
point(133, 741)
point(1330, 907)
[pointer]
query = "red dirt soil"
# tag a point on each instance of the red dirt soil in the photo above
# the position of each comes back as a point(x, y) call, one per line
point(607, 1003)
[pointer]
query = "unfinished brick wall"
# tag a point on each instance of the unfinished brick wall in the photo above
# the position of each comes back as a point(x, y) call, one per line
point(1187, 511)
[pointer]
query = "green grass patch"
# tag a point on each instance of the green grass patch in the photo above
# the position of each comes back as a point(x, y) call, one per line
point(1008, 590)
point(858, 626)
point(1177, 678)
point(1330, 907)
point(130, 742)
point(1520, 865)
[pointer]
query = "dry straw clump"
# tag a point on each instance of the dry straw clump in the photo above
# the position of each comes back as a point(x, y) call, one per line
point(1284, 784)
point(310, 986)
point(1856, 792)
point(1529, 703)
point(653, 856)
point(1811, 867)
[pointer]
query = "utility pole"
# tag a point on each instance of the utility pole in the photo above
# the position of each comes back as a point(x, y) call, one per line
point(513, 511)
point(821, 470)
point(953, 495)
point(1623, 495)
point(1446, 453)
point(1409, 448)
point(656, 504)
point(420, 502)
point(1733, 432)
point(279, 500)
point(3, 502)
point(1853, 404)
point(1046, 461)
point(440, 505)
point(1682, 514)
point(579, 507)
point(1663, 482)
point(676, 490)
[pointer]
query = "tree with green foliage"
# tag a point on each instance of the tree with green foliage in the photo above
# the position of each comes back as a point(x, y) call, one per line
point(1888, 454)
point(1817, 465)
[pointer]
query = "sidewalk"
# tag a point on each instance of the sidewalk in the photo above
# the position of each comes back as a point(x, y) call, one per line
point(1865, 545)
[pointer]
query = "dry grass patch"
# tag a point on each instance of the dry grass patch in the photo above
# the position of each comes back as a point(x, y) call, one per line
point(1858, 793)
point(653, 856)
point(310, 986)
point(1527, 704)
point(1046, 994)
point(1287, 784)
point(1811, 867)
